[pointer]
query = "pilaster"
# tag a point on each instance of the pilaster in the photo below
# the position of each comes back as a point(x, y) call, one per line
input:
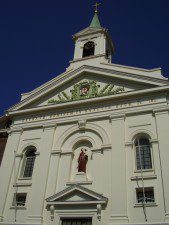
point(118, 181)
point(162, 127)
point(64, 169)
point(7, 167)
point(39, 179)
point(53, 172)
point(18, 158)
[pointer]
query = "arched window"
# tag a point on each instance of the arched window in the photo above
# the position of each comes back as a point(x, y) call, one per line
point(143, 153)
point(29, 162)
point(88, 49)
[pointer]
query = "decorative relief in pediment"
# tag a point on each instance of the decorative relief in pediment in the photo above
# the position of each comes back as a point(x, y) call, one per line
point(85, 90)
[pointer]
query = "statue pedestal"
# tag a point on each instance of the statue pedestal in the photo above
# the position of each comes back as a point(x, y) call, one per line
point(80, 176)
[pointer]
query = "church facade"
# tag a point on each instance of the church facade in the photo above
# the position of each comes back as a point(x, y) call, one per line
point(91, 146)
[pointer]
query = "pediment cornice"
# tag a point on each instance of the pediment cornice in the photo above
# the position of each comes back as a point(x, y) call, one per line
point(122, 96)
point(68, 76)
point(90, 197)
point(88, 30)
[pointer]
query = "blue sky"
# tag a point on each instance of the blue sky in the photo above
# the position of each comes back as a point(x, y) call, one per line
point(36, 38)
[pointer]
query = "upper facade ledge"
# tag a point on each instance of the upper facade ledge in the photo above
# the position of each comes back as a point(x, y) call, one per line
point(154, 73)
point(72, 74)
point(87, 58)
point(162, 110)
point(149, 73)
point(135, 74)
point(125, 95)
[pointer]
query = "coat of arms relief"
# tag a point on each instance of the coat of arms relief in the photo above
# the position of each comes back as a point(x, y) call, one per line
point(87, 89)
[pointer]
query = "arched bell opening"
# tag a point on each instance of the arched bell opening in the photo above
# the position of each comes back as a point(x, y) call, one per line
point(88, 49)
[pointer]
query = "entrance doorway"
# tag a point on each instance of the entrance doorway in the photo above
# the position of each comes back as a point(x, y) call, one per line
point(77, 221)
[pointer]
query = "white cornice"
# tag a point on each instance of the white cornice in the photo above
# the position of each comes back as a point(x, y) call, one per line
point(87, 58)
point(126, 95)
point(88, 31)
point(117, 68)
point(134, 68)
point(96, 198)
point(77, 203)
point(91, 117)
point(65, 77)
point(131, 73)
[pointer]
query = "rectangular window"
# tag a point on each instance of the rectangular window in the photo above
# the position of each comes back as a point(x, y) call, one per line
point(19, 199)
point(147, 197)
point(29, 164)
point(77, 221)
point(143, 154)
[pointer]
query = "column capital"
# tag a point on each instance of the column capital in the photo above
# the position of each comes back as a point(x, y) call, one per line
point(37, 153)
point(55, 152)
point(161, 111)
point(129, 143)
point(15, 130)
point(117, 116)
point(153, 141)
point(19, 155)
point(67, 153)
point(49, 126)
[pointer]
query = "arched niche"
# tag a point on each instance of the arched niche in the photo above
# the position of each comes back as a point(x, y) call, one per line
point(73, 140)
point(93, 137)
point(86, 145)
point(92, 132)
point(90, 135)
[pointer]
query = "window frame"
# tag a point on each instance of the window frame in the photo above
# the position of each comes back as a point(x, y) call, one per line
point(136, 170)
point(146, 204)
point(15, 200)
point(28, 149)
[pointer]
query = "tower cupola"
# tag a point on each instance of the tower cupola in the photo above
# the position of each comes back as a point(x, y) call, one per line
point(93, 44)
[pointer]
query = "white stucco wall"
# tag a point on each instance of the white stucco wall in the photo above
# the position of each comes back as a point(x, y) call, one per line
point(111, 170)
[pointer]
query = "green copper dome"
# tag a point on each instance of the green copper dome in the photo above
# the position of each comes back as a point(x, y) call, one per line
point(95, 21)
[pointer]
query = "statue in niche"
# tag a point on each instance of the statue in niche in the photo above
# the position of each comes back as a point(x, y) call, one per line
point(82, 161)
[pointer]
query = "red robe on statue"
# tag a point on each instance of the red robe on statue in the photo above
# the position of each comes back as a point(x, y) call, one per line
point(82, 161)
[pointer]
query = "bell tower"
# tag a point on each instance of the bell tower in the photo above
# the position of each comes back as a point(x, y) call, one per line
point(93, 44)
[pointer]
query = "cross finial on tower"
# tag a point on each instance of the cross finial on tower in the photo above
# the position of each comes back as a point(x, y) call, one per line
point(96, 7)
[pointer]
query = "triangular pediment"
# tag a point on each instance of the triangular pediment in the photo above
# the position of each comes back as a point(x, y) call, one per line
point(76, 194)
point(88, 86)
point(88, 30)
point(86, 82)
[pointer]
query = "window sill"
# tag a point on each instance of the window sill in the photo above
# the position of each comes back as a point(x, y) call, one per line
point(153, 204)
point(18, 207)
point(148, 177)
point(25, 178)
point(145, 170)
point(25, 184)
